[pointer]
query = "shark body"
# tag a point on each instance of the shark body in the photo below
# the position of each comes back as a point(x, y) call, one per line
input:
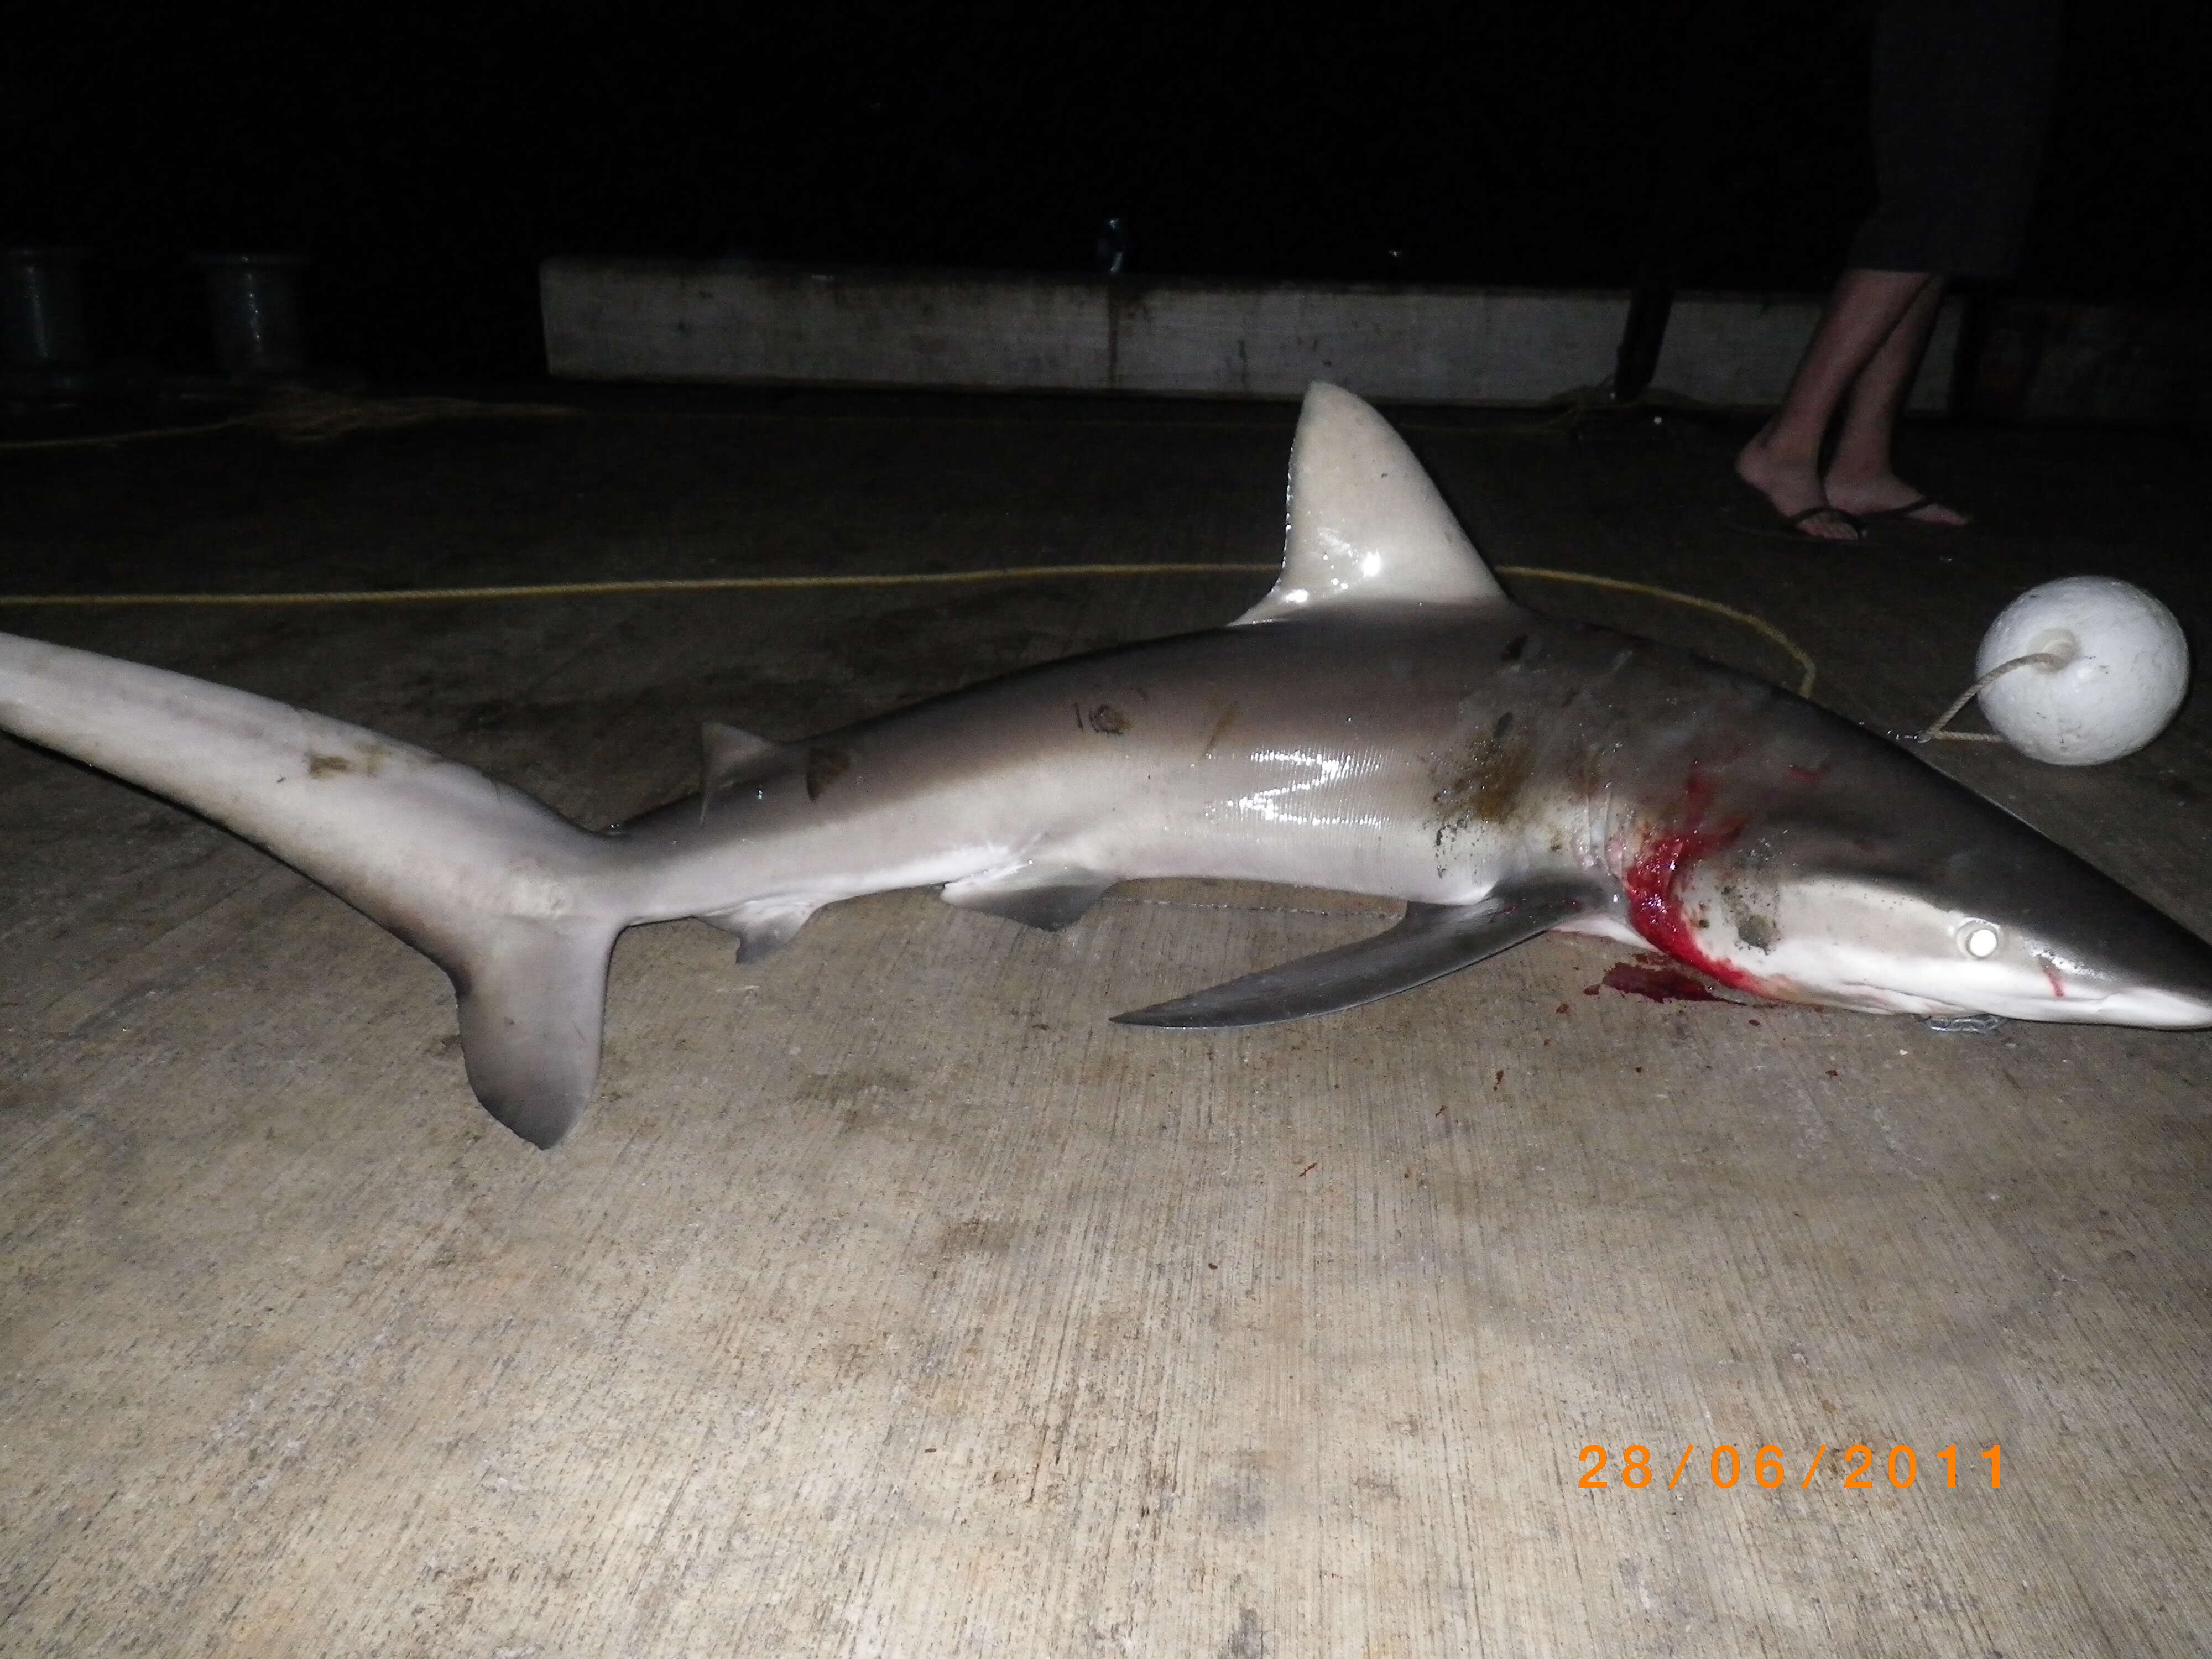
point(1386, 721)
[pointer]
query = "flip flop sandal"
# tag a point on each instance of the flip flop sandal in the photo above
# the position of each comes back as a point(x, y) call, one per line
point(1797, 522)
point(1904, 514)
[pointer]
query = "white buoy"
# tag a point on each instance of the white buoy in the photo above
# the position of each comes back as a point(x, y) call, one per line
point(2120, 670)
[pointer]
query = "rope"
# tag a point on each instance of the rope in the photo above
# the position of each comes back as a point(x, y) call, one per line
point(1935, 733)
point(106, 438)
point(788, 584)
point(1758, 624)
point(595, 589)
point(302, 413)
point(305, 415)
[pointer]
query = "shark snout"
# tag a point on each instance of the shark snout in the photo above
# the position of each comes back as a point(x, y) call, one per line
point(2157, 973)
point(2159, 977)
point(2148, 1005)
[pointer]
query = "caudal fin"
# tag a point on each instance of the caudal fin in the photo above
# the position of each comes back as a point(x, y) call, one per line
point(520, 907)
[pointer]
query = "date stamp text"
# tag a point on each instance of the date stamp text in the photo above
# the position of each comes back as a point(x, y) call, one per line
point(1858, 1466)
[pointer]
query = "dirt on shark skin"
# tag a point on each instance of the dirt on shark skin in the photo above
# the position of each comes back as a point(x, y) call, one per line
point(1484, 780)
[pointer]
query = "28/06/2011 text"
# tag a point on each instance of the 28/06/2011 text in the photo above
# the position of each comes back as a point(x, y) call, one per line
point(1768, 1469)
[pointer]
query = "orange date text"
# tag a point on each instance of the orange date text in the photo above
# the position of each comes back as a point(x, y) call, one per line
point(1858, 1467)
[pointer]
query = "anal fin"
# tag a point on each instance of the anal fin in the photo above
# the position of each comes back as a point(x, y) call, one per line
point(1045, 895)
point(762, 927)
point(1430, 941)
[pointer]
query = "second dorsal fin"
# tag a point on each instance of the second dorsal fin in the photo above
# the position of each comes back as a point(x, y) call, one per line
point(1365, 526)
point(730, 755)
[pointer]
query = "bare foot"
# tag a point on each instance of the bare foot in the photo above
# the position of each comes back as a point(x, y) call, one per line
point(1793, 488)
point(1890, 496)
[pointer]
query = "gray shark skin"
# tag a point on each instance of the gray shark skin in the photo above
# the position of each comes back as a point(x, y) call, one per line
point(1386, 721)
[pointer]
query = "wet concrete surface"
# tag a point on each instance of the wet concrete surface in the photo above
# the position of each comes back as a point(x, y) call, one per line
point(890, 1301)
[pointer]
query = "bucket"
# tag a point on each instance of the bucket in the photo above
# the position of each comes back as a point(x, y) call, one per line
point(42, 308)
point(253, 303)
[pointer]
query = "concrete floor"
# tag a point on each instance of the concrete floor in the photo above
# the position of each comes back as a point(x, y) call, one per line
point(890, 1302)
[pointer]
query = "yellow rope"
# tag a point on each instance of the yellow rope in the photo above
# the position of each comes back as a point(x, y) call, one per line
point(305, 415)
point(301, 414)
point(666, 585)
point(1809, 672)
point(787, 584)
point(104, 439)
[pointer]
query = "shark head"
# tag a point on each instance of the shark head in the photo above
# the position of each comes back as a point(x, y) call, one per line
point(1869, 880)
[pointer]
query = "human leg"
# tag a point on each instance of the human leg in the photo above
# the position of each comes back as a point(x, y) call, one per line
point(1861, 477)
point(1782, 461)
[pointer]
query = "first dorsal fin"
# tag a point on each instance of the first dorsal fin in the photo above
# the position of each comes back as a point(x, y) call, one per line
point(1366, 526)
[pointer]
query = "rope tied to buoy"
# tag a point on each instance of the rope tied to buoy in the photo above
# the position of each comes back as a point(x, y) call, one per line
point(1935, 732)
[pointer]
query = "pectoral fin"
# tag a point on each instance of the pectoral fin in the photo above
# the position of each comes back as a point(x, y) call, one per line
point(1430, 941)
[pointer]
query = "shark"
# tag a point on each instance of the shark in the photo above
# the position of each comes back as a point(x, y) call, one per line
point(1386, 721)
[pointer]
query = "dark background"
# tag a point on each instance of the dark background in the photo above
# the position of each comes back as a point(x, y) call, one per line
point(427, 161)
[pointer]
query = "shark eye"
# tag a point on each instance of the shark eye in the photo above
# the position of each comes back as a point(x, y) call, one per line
point(1979, 939)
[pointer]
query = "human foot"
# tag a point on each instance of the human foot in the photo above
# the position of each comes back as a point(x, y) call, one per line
point(1792, 488)
point(1890, 497)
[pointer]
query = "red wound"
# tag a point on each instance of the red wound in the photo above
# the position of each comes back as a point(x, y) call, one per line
point(1654, 882)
